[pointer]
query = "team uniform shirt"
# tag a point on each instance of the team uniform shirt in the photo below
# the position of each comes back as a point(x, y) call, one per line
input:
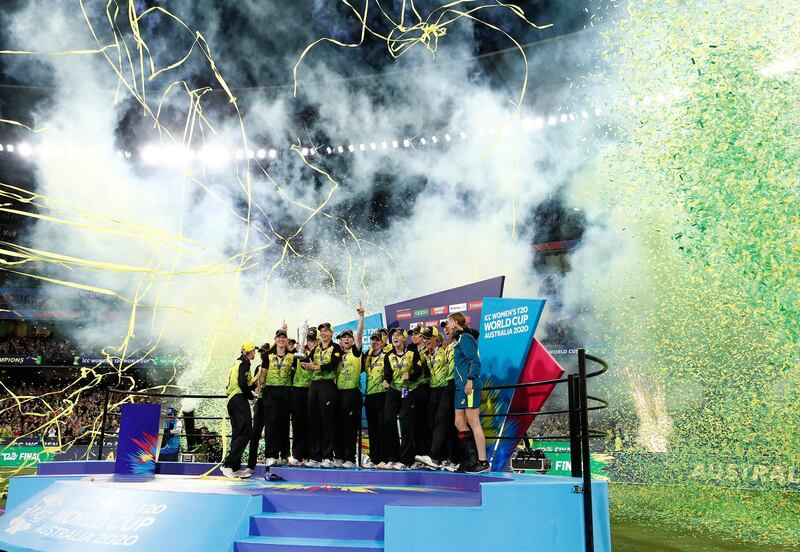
point(328, 360)
point(438, 365)
point(373, 366)
point(467, 363)
point(425, 376)
point(278, 369)
point(450, 358)
point(348, 375)
point(240, 379)
point(395, 365)
point(302, 377)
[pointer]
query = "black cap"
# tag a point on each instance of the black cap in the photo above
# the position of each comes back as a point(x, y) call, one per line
point(325, 325)
point(443, 323)
point(417, 329)
point(429, 331)
point(401, 330)
point(344, 333)
point(311, 334)
point(383, 331)
point(376, 335)
point(264, 348)
point(281, 332)
point(292, 341)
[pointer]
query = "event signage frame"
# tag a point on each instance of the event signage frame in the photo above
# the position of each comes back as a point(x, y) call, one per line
point(432, 309)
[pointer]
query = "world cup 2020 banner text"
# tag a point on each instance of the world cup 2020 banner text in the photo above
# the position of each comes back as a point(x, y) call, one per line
point(431, 310)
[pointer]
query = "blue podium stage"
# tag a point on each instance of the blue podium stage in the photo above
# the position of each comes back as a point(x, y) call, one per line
point(82, 506)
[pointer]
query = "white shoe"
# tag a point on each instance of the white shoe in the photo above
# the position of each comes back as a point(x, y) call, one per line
point(449, 466)
point(383, 466)
point(311, 464)
point(279, 462)
point(348, 465)
point(399, 466)
point(367, 464)
point(428, 461)
point(418, 466)
point(229, 473)
point(244, 474)
point(338, 463)
point(327, 464)
point(271, 461)
point(294, 461)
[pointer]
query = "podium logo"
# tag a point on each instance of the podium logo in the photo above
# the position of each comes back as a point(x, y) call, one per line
point(458, 307)
point(39, 512)
point(435, 311)
point(475, 305)
point(403, 314)
point(419, 313)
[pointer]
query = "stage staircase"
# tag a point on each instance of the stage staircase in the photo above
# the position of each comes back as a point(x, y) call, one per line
point(336, 515)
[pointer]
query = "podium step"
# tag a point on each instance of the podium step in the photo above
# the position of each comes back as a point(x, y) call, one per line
point(316, 525)
point(296, 544)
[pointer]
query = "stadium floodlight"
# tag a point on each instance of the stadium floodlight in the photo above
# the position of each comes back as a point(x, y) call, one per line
point(394, 143)
point(406, 143)
point(423, 141)
point(563, 118)
point(362, 147)
point(584, 114)
point(463, 135)
point(304, 152)
point(239, 154)
point(538, 122)
point(261, 153)
point(598, 111)
point(384, 145)
point(311, 151)
point(340, 149)
point(551, 120)
point(571, 116)
point(328, 150)
point(434, 139)
point(10, 148)
point(448, 137)
point(273, 154)
point(351, 148)
point(373, 147)
point(251, 154)
point(149, 154)
point(25, 149)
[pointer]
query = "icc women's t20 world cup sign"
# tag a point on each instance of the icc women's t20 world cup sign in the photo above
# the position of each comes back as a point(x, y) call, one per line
point(508, 351)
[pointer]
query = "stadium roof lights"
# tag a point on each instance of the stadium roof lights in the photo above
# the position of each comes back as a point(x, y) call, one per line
point(217, 154)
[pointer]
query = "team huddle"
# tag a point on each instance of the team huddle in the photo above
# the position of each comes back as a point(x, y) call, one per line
point(431, 386)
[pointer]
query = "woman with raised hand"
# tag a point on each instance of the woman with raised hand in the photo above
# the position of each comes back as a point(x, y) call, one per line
point(468, 387)
point(348, 383)
point(402, 368)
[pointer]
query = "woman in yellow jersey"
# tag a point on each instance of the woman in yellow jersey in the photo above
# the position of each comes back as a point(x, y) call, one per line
point(301, 453)
point(402, 368)
point(258, 415)
point(240, 392)
point(348, 382)
point(322, 397)
point(422, 433)
point(440, 409)
point(375, 400)
point(276, 388)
